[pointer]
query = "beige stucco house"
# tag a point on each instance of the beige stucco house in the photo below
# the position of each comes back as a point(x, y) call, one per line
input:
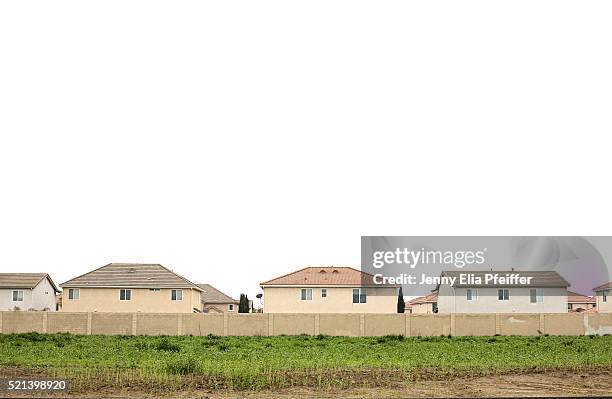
point(215, 301)
point(27, 291)
point(579, 303)
point(131, 287)
point(602, 295)
point(427, 304)
point(546, 293)
point(328, 290)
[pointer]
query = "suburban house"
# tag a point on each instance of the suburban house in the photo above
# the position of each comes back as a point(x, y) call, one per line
point(131, 287)
point(215, 301)
point(423, 304)
point(579, 303)
point(602, 295)
point(328, 290)
point(545, 293)
point(27, 291)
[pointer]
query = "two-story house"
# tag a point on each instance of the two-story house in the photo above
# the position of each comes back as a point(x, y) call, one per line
point(602, 295)
point(27, 291)
point(131, 287)
point(546, 292)
point(328, 290)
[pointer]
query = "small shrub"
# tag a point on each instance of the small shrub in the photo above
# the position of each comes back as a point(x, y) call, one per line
point(32, 337)
point(223, 346)
point(167, 346)
point(182, 366)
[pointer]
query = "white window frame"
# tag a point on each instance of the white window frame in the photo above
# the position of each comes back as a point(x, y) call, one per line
point(174, 295)
point(306, 294)
point(15, 298)
point(323, 292)
point(230, 307)
point(538, 294)
point(362, 295)
point(72, 292)
point(127, 292)
point(471, 294)
point(504, 296)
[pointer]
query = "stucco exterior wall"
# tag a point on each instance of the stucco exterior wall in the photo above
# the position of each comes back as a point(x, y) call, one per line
point(219, 308)
point(604, 307)
point(338, 300)
point(143, 300)
point(454, 300)
point(422, 308)
point(40, 297)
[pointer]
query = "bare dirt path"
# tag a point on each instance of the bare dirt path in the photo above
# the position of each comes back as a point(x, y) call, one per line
point(554, 384)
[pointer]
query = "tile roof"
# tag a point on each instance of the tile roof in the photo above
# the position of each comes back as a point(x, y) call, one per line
point(131, 275)
point(573, 297)
point(546, 278)
point(327, 275)
point(602, 287)
point(24, 280)
point(210, 294)
point(431, 298)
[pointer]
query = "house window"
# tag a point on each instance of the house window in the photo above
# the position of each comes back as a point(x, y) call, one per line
point(154, 289)
point(230, 307)
point(471, 294)
point(569, 306)
point(18, 296)
point(74, 294)
point(359, 295)
point(177, 295)
point(536, 295)
point(604, 297)
point(125, 295)
point(503, 294)
point(306, 294)
point(323, 292)
point(434, 307)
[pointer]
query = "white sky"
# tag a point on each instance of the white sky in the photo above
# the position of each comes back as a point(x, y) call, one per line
point(237, 141)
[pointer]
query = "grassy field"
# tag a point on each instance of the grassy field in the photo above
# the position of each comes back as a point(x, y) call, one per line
point(276, 362)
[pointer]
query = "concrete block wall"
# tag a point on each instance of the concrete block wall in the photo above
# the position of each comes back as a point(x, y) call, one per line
point(341, 324)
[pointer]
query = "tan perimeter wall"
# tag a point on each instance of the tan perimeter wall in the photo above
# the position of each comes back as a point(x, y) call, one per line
point(338, 324)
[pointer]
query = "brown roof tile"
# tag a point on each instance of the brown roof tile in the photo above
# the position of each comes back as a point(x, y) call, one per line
point(210, 294)
point(602, 287)
point(573, 297)
point(431, 298)
point(131, 275)
point(23, 280)
point(328, 275)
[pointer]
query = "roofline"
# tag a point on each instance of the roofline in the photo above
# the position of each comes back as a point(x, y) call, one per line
point(330, 285)
point(221, 302)
point(603, 287)
point(45, 276)
point(178, 275)
point(313, 267)
point(64, 284)
point(126, 286)
point(503, 285)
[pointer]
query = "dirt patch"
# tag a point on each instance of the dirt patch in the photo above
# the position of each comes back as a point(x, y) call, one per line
point(557, 382)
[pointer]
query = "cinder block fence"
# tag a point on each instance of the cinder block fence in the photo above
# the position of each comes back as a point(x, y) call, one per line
point(355, 325)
